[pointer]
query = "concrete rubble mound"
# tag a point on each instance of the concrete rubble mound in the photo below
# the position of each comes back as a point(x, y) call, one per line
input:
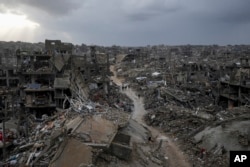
point(66, 105)
point(64, 120)
point(200, 103)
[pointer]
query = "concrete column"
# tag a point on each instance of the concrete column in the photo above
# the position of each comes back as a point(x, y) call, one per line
point(7, 78)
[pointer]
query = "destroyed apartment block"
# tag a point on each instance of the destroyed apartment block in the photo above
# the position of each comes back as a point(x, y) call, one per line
point(58, 47)
point(93, 69)
point(62, 62)
point(36, 82)
point(62, 88)
point(8, 73)
point(235, 89)
point(55, 114)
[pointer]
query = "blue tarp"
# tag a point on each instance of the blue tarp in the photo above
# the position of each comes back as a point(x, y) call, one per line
point(34, 86)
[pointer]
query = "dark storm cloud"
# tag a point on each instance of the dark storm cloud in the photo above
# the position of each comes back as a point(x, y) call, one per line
point(147, 15)
point(138, 22)
point(148, 9)
point(238, 13)
point(231, 11)
point(54, 7)
point(58, 7)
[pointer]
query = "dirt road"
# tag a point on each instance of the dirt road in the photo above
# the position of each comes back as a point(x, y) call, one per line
point(175, 157)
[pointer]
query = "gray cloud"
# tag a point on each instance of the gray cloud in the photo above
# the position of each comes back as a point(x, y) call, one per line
point(58, 7)
point(147, 15)
point(53, 7)
point(231, 11)
point(149, 9)
point(2, 9)
point(137, 22)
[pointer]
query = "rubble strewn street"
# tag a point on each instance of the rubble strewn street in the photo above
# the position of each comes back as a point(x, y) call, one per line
point(66, 105)
point(186, 100)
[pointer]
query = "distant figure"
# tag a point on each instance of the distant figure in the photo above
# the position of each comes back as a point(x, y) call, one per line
point(203, 152)
point(149, 139)
point(223, 150)
point(139, 96)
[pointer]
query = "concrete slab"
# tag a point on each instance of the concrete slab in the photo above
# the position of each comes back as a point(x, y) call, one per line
point(136, 131)
point(73, 153)
point(74, 123)
point(100, 130)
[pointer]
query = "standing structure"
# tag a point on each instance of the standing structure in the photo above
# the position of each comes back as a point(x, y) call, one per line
point(8, 74)
point(41, 75)
point(236, 90)
point(62, 62)
point(36, 75)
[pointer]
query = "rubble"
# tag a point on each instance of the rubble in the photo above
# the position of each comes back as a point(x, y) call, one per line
point(45, 133)
point(187, 97)
point(65, 104)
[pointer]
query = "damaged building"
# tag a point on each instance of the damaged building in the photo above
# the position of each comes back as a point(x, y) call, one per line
point(194, 92)
point(8, 72)
point(55, 110)
point(234, 88)
point(36, 82)
point(66, 105)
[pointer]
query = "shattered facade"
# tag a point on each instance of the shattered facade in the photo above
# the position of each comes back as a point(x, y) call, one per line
point(235, 88)
point(36, 81)
point(54, 90)
point(8, 73)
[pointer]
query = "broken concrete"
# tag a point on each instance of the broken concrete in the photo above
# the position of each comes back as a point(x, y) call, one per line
point(190, 94)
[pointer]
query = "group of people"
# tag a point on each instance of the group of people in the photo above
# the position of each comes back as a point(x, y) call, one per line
point(124, 87)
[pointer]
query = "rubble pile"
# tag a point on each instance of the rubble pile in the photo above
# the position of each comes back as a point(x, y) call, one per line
point(69, 104)
point(115, 99)
point(187, 95)
point(183, 124)
point(118, 117)
point(42, 142)
point(144, 154)
point(172, 118)
point(46, 136)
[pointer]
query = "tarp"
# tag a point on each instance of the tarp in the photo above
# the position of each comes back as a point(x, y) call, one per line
point(155, 73)
point(34, 86)
point(140, 78)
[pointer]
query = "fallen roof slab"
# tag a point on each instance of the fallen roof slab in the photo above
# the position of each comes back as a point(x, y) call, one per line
point(100, 130)
point(73, 153)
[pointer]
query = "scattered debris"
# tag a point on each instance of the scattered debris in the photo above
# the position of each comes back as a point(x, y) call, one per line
point(55, 102)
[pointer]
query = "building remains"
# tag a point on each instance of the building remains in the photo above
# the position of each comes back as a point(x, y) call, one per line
point(69, 105)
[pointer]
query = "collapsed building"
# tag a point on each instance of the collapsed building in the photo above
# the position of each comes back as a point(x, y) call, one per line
point(54, 107)
point(58, 101)
point(197, 95)
point(234, 88)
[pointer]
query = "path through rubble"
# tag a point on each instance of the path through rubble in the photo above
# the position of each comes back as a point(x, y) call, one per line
point(173, 154)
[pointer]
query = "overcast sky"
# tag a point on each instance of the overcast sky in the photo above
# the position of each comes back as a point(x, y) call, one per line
point(127, 22)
